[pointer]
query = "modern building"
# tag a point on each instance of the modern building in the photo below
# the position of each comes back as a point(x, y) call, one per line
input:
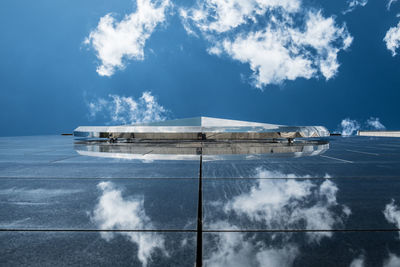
point(200, 191)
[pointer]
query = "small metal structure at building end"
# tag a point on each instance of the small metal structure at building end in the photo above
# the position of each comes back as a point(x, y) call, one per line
point(380, 133)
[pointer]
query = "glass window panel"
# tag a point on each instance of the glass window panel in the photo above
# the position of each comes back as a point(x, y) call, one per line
point(344, 157)
point(97, 249)
point(130, 204)
point(57, 157)
point(301, 249)
point(155, 169)
point(316, 204)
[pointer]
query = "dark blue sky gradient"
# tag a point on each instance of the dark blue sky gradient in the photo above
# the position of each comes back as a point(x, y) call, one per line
point(47, 75)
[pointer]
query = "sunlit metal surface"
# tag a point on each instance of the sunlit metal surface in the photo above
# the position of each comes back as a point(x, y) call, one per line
point(379, 133)
point(201, 128)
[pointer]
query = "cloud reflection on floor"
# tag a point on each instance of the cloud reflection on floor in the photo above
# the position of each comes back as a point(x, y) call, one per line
point(274, 204)
point(114, 212)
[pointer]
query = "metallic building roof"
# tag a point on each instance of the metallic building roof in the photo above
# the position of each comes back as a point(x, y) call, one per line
point(201, 128)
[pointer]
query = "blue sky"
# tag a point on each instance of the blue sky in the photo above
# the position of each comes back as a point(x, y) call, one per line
point(258, 62)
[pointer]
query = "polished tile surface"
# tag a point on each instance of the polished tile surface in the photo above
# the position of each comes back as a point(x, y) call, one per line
point(96, 249)
point(339, 206)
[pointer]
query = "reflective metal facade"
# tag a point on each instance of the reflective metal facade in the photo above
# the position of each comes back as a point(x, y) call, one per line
point(304, 204)
point(201, 128)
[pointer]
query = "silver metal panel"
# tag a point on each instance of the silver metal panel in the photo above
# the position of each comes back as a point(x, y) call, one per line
point(379, 133)
point(207, 128)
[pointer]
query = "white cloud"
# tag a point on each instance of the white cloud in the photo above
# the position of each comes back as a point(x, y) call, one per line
point(277, 256)
point(277, 204)
point(358, 262)
point(224, 15)
point(234, 249)
point(390, 2)
point(392, 261)
point(113, 212)
point(280, 40)
point(375, 124)
point(269, 59)
point(115, 42)
point(352, 4)
point(287, 204)
point(392, 39)
point(127, 110)
point(392, 213)
point(349, 127)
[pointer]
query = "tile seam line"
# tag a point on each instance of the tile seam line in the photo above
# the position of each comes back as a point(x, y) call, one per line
point(199, 241)
point(204, 231)
point(204, 178)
